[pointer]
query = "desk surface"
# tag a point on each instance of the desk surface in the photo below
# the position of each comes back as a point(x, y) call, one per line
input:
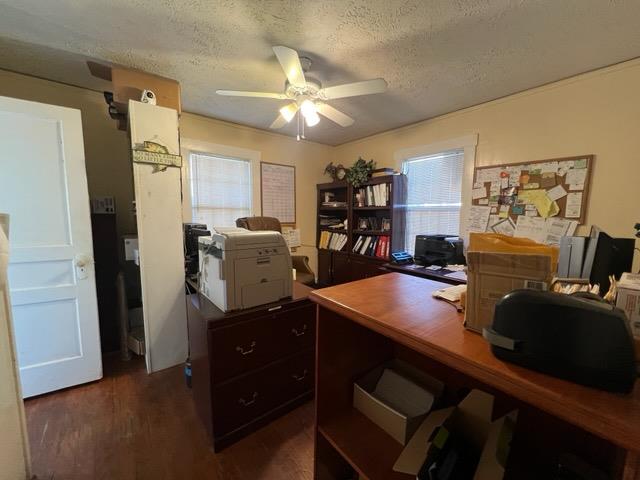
point(423, 272)
point(401, 307)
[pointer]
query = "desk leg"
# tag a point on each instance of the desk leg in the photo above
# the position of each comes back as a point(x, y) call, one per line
point(629, 465)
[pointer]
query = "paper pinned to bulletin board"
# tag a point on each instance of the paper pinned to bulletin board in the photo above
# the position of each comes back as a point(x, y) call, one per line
point(542, 200)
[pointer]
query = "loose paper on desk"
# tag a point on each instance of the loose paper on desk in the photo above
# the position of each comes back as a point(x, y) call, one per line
point(292, 237)
point(478, 218)
point(531, 227)
point(574, 205)
point(545, 206)
point(576, 178)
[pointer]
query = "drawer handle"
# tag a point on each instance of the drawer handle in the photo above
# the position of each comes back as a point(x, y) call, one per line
point(299, 333)
point(242, 351)
point(246, 403)
point(302, 376)
point(273, 309)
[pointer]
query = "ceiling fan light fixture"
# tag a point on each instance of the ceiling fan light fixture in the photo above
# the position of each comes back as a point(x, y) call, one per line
point(289, 111)
point(312, 119)
point(308, 108)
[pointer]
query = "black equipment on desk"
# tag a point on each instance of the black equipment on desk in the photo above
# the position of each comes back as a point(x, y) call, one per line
point(583, 340)
point(192, 231)
point(438, 250)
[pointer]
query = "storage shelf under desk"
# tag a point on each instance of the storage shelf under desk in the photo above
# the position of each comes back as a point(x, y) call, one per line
point(363, 324)
point(368, 448)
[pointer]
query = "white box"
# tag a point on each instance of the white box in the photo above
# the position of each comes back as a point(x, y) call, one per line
point(396, 397)
point(629, 300)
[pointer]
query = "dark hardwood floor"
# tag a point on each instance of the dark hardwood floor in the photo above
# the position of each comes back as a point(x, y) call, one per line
point(134, 426)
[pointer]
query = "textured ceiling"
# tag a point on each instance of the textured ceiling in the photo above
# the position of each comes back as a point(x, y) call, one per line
point(437, 55)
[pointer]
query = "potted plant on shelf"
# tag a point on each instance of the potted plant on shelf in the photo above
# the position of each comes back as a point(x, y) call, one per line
point(360, 172)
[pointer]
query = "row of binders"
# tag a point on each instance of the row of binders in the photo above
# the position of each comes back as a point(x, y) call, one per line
point(332, 241)
point(373, 246)
point(374, 195)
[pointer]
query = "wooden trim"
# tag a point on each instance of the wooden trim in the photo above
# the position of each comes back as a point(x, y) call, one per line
point(294, 192)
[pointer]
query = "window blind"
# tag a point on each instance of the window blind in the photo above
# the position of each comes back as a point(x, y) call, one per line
point(434, 195)
point(220, 189)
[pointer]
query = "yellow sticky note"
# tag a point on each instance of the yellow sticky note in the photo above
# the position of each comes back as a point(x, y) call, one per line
point(545, 206)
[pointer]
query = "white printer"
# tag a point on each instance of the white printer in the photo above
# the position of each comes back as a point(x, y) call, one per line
point(240, 268)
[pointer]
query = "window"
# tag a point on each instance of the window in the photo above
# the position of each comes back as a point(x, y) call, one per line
point(434, 194)
point(220, 189)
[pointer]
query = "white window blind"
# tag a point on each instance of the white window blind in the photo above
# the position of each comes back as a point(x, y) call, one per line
point(434, 195)
point(220, 189)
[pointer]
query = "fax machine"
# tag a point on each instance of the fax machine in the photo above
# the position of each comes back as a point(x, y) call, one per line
point(242, 269)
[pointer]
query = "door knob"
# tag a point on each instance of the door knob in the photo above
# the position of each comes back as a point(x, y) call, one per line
point(82, 265)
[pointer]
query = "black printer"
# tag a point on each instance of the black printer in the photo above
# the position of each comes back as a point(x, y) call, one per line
point(584, 340)
point(438, 250)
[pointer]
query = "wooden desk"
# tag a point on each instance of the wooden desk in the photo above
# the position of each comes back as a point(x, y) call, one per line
point(422, 272)
point(365, 323)
point(250, 366)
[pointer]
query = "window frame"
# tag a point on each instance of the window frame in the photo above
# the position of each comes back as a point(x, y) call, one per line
point(189, 146)
point(222, 157)
point(466, 143)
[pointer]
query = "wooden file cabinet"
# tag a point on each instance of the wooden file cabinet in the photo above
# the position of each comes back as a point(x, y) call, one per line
point(250, 366)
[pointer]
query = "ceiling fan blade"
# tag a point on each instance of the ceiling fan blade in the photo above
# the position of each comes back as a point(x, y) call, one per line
point(240, 93)
point(290, 63)
point(366, 87)
point(335, 115)
point(279, 122)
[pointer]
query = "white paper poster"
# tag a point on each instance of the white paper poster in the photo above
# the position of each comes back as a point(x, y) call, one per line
point(556, 192)
point(531, 227)
point(478, 218)
point(574, 205)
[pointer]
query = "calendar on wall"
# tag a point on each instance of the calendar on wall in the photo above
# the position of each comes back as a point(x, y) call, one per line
point(278, 191)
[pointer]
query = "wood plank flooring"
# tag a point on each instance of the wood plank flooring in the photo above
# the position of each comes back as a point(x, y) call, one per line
point(134, 426)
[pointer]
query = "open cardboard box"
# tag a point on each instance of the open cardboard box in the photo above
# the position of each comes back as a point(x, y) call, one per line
point(471, 418)
point(396, 397)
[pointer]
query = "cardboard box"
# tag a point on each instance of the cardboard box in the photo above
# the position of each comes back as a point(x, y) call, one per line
point(128, 84)
point(471, 419)
point(396, 397)
point(490, 276)
point(629, 300)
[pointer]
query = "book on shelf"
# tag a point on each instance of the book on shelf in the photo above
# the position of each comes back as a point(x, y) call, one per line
point(372, 246)
point(332, 240)
point(374, 195)
point(382, 172)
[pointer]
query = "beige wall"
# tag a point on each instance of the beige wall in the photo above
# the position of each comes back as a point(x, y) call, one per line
point(593, 113)
point(596, 113)
point(309, 159)
point(106, 148)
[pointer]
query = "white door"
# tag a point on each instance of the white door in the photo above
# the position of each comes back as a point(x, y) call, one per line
point(43, 187)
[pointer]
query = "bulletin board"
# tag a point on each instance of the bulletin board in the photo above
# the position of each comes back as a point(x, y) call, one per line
point(278, 192)
point(558, 187)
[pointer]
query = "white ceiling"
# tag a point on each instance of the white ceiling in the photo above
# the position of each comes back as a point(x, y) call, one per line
point(438, 56)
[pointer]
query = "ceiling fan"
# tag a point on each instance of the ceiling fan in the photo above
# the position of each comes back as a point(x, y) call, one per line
point(306, 95)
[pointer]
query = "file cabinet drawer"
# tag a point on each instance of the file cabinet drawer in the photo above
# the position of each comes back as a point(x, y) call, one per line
point(240, 348)
point(244, 399)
